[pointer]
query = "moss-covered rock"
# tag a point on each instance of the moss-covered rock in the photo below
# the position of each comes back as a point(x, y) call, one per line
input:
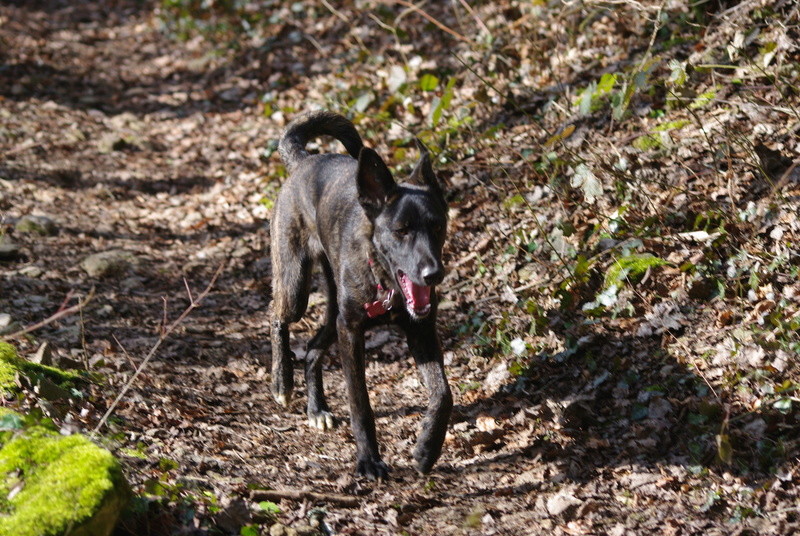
point(8, 371)
point(110, 263)
point(11, 365)
point(52, 485)
point(41, 225)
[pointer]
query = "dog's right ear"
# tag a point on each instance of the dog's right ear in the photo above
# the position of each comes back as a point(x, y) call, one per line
point(376, 187)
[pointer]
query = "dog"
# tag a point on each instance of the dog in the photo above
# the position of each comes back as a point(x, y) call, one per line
point(379, 246)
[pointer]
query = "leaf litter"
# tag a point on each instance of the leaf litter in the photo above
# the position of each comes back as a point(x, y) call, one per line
point(583, 149)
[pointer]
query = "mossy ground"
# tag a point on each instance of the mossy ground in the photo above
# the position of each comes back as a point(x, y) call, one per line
point(11, 364)
point(8, 371)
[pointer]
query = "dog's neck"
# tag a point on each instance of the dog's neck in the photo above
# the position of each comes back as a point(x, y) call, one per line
point(379, 273)
point(383, 292)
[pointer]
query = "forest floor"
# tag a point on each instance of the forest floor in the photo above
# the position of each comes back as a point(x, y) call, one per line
point(621, 311)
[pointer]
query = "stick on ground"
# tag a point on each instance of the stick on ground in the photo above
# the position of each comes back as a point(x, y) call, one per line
point(300, 495)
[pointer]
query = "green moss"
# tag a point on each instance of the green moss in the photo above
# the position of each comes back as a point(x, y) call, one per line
point(11, 365)
point(8, 371)
point(672, 125)
point(631, 268)
point(647, 142)
point(7, 374)
point(67, 485)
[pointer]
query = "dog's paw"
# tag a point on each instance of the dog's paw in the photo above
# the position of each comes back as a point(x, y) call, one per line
point(372, 468)
point(425, 460)
point(282, 399)
point(321, 420)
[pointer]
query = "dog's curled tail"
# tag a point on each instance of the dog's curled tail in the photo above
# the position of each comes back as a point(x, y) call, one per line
point(292, 146)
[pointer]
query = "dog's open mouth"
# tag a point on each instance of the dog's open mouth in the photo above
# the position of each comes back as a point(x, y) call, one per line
point(418, 298)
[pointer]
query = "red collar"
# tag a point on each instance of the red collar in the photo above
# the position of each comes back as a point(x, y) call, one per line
point(382, 304)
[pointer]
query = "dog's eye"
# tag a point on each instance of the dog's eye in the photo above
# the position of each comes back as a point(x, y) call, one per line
point(401, 231)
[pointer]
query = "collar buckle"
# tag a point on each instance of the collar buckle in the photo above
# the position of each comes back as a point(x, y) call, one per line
point(380, 306)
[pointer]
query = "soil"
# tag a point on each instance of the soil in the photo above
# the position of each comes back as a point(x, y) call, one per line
point(130, 139)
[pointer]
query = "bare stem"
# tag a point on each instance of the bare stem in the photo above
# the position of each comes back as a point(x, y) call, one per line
point(62, 312)
point(193, 304)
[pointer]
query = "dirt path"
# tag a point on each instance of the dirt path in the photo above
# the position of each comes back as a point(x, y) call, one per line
point(131, 141)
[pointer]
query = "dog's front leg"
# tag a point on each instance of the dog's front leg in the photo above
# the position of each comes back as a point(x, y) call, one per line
point(423, 342)
point(362, 420)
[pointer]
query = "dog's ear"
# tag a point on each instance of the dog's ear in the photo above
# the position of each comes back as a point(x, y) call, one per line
point(376, 187)
point(423, 174)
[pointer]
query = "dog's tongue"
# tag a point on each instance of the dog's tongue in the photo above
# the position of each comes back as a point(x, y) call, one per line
point(420, 296)
point(417, 296)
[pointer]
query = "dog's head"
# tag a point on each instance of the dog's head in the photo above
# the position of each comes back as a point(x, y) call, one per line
point(409, 225)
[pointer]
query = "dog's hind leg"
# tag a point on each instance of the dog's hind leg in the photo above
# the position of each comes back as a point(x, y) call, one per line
point(319, 415)
point(290, 287)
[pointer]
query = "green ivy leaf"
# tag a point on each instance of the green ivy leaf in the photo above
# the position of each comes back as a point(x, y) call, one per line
point(607, 82)
point(428, 82)
point(270, 507)
point(10, 421)
point(784, 405)
point(677, 75)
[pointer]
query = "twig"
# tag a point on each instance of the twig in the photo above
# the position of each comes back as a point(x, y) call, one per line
point(348, 501)
point(435, 22)
point(164, 320)
point(194, 303)
point(22, 147)
point(125, 351)
point(62, 312)
point(188, 290)
point(346, 21)
point(478, 20)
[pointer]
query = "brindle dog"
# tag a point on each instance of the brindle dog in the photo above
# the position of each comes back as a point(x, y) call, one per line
point(379, 246)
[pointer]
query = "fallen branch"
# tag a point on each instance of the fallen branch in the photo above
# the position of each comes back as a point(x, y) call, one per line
point(348, 501)
point(417, 9)
point(62, 312)
point(194, 303)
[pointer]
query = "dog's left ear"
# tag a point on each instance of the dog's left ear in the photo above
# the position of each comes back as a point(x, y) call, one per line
point(376, 187)
point(423, 174)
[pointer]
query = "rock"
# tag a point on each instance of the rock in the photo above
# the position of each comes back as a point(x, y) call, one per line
point(659, 408)
point(61, 484)
point(131, 283)
point(496, 378)
point(116, 141)
point(563, 503)
point(281, 530)
point(9, 251)
point(108, 263)
point(49, 390)
point(31, 271)
point(307, 530)
point(7, 324)
point(44, 355)
point(41, 225)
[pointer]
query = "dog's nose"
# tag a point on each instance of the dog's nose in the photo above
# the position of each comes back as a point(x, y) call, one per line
point(432, 274)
